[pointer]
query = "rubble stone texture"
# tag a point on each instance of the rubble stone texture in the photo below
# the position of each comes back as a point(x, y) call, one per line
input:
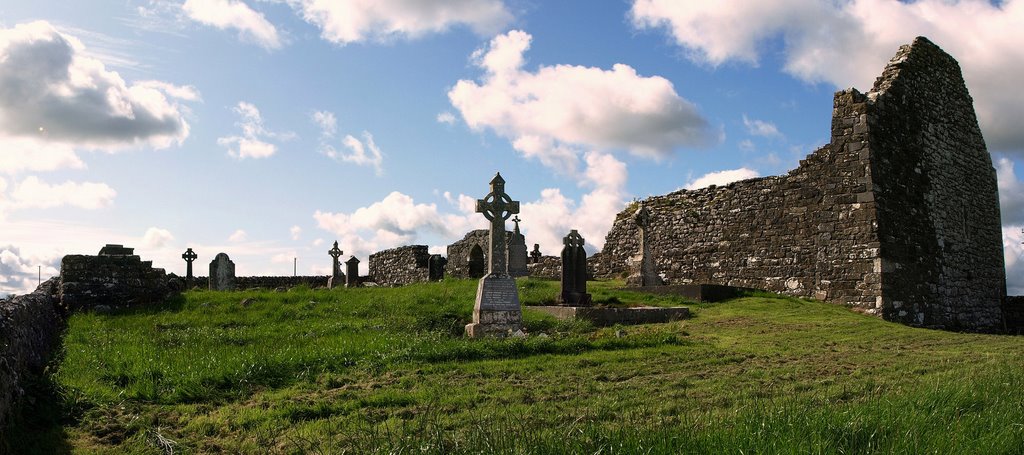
point(897, 216)
point(30, 328)
point(115, 277)
point(222, 273)
point(400, 266)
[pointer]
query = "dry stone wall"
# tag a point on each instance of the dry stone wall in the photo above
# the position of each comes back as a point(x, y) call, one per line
point(897, 216)
point(400, 266)
point(114, 277)
point(30, 327)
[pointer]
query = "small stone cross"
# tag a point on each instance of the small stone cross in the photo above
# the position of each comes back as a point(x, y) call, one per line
point(189, 256)
point(335, 254)
point(497, 207)
point(516, 220)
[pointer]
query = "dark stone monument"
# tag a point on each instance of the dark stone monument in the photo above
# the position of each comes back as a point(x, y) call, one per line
point(497, 311)
point(517, 252)
point(643, 273)
point(535, 254)
point(189, 256)
point(222, 273)
point(574, 272)
point(436, 265)
point(352, 272)
point(336, 276)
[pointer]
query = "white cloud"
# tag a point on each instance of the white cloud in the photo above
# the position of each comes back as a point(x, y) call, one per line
point(446, 117)
point(20, 274)
point(252, 143)
point(1011, 192)
point(182, 92)
point(1013, 255)
point(848, 42)
point(348, 21)
point(225, 14)
point(747, 145)
point(360, 153)
point(156, 237)
point(722, 178)
point(238, 236)
point(33, 193)
point(54, 98)
point(761, 128)
point(296, 232)
point(552, 113)
point(327, 122)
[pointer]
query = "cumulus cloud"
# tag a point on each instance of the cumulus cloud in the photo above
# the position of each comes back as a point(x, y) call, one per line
point(848, 42)
point(1013, 255)
point(156, 237)
point(234, 14)
point(552, 113)
point(360, 152)
point(296, 232)
point(348, 21)
point(722, 178)
point(19, 274)
point(1011, 192)
point(253, 141)
point(238, 236)
point(33, 193)
point(54, 98)
point(327, 122)
point(761, 128)
point(446, 117)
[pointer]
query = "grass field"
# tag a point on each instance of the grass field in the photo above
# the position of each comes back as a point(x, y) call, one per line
point(378, 370)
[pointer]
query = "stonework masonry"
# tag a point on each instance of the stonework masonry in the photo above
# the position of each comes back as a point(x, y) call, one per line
point(30, 327)
point(400, 266)
point(114, 277)
point(897, 216)
point(459, 255)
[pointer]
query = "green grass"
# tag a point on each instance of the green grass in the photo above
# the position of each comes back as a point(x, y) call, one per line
point(387, 371)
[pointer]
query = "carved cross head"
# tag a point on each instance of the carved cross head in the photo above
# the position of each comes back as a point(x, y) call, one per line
point(497, 204)
point(335, 252)
point(189, 255)
point(573, 240)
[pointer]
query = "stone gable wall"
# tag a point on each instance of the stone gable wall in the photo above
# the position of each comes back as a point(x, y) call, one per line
point(400, 266)
point(458, 253)
point(863, 220)
point(87, 281)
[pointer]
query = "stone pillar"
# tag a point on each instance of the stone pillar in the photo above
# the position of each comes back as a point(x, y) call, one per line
point(189, 256)
point(644, 272)
point(574, 271)
point(352, 272)
point(497, 310)
point(336, 276)
point(517, 252)
point(222, 273)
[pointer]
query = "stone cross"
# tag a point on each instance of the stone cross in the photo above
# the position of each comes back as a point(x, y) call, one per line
point(189, 256)
point(535, 254)
point(335, 253)
point(644, 272)
point(352, 272)
point(497, 311)
point(497, 207)
point(574, 271)
point(517, 253)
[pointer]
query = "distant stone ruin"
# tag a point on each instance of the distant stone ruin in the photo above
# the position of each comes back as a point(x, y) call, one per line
point(467, 258)
point(400, 266)
point(897, 216)
point(114, 277)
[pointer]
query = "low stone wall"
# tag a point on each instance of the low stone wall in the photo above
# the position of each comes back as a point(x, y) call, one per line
point(30, 327)
point(400, 266)
point(123, 280)
point(1013, 314)
point(549, 267)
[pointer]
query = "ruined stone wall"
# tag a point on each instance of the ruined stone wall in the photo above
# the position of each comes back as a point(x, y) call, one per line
point(30, 327)
point(400, 266)
point(549, 267)
point(123, 280)
point(863, 220)
point(458, 253)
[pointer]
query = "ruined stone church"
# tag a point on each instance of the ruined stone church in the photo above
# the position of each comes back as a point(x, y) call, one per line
point(897, 216)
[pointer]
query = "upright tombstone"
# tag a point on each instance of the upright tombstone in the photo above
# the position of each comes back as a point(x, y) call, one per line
point(336, 276)
point(574, 272)
point(435, 267)
point(535, 254)
point(497, 311)
point(222, 273)
point(352, 272)
point(643, 273)
point(517, 252)
point(189, 256)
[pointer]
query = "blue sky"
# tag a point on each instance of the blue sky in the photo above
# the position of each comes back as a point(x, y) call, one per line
point(269, 129)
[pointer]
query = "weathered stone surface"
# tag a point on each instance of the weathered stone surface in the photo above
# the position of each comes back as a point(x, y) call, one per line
point(30, 327)
point(898, 216)
point(497, 310)
point(337, 278)
point(114, 279)
point(644, 273)
point(467, 258)
point(547, 267)
point(222, 273)
point(436, 265)
point(400, 266)
point(517, 252)
point(574, 272)
point(352, 272)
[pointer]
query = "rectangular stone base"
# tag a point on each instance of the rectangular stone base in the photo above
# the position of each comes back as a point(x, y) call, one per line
point(611, 316)
point(497, 308)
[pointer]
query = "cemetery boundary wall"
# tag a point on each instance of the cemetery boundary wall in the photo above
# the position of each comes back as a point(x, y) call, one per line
point(30, 328)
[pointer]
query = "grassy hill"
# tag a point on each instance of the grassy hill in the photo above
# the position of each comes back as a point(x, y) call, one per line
point(388, 371)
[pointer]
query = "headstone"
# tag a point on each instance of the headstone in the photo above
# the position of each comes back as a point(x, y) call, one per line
point(535, 254)
point(189, 256)
point(336, 276)
point(435, 267)
point(574, 272)
point(644, 272)
point(222, 273)
point(517, 252)
point(352, 272)
point(497, 311)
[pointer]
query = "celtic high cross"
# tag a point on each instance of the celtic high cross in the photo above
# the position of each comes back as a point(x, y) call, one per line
point(189, 256)
point(335, 253)
point(497, 207)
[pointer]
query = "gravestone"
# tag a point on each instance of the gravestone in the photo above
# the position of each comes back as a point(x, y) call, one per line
point(574, 272)
point(189, 256)
point(222, 273)
point(517, 252)
point(435, 265)
point(336, 276)
point(643, 273)
point(352, 272)
point(497, 311)
point(535, 254)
